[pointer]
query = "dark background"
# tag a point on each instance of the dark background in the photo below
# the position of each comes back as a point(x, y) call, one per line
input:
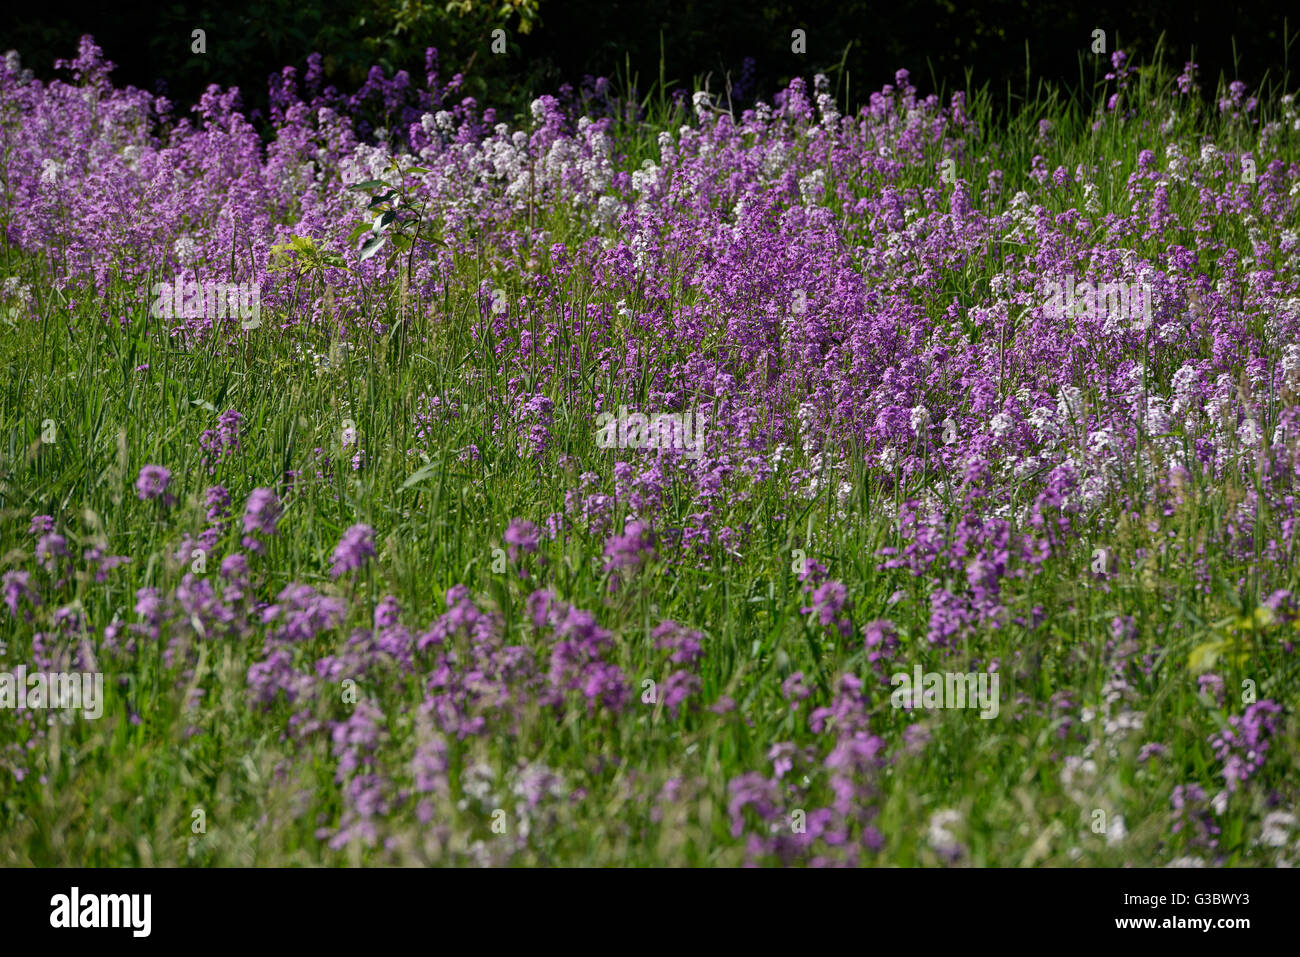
point(939, 42)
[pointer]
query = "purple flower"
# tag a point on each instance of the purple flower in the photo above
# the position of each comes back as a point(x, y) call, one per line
point(631, 548)
point(51, 547)
point(17, 586)
point(829, 599)
point(261, 512)
point(1123, 628)
point(724, 705)
point(1243, 745)
point(387, 613)
point(881, 640)
point(679, 686)
point(222, 442)
point(685, 644)
point(234, 567)
point(356, 545)
point(782, 757)
point(217, 500)
point(523, 535)
point(152, 482)
point(794, 690)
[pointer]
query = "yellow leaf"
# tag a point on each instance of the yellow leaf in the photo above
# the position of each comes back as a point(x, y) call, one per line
point(1204, 657)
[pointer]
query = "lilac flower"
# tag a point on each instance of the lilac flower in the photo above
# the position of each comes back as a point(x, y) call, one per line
point(724, 705)
point(234, 567)
point(223, 441)
point(217, 500)
point(686, 645)
point(679, 686)
point(881, 640)
point(1152, 749)
point(353, 549)
point(152, 482)
point(1192, 813)
point(782, 757)
point(261, 512)
point(629, 550)
point(794, 690)
point(1243, 745)
point(521, 535)
point(17, 587)
point(828, 601)
point(49, 549)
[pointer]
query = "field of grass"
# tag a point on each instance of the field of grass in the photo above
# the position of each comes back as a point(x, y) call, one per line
point(391, 598)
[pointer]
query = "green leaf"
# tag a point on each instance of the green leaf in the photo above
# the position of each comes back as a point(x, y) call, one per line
point(421, 474)
point(372, 246)
point(369, 184)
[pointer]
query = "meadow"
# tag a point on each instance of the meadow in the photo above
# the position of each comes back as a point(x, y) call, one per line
point(437, 488)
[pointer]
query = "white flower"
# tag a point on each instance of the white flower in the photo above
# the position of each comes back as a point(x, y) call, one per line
point(1069, 402)
point(1076, 773)
point(1276, 826)
point(700, 100)
point(1123, 723)
point(812, 186)
point(920, 419)
point(1090, 202)
point(939, 836)
point(826, 106)
point(1043, 419)
point(1100, 441)
point(607, 210)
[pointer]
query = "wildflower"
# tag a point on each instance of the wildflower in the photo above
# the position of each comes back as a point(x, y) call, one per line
point(16, 586)
point(261, 512)
point(50, 548)
point(521, 535)
point(217, 500)
point(356, 545)
point(152, 482)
